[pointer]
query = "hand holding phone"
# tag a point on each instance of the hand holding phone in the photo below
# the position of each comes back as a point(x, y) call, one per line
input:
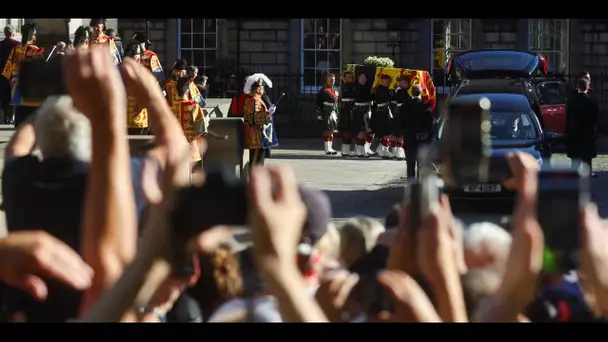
point(563, 192)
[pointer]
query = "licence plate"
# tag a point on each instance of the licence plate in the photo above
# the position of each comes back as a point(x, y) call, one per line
point(483, 188)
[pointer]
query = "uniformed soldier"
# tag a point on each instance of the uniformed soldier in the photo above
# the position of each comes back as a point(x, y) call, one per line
point(402, 98)
point(83, 37)
point(327, 106)
point(137, 117)
point(347, 101)
point(99, 37)
point(382, 116)
point(26, 51)
point(360, 116)
point(258, 127)
point(149, 58)
point(181, 93)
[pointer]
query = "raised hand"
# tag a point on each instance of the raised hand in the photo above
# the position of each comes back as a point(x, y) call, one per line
point(25, 256)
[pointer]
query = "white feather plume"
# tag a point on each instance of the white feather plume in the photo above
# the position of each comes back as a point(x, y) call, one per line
point(254, 79)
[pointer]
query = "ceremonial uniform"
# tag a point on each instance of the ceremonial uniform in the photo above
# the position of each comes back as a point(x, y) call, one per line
point(181, 96)
point(25, 52)
point(403, 99)
point(258, 128)
point(381, 119)
point(360, 116)
point(345, 126)
point(327, 106)
point(82, 37)
point(100, 38)
point(137, 116)
point(149, 59)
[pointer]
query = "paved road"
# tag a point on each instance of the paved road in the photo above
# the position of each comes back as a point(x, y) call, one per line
point(366, 187)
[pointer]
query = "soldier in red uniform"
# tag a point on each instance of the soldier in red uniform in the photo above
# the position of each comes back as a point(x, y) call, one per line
point(149, 59)
point(99, 37)
point(25, 52)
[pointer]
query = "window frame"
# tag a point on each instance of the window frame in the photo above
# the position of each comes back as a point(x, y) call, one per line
point(191, 33)
point(444, 89)
point(565, 51)
point(309, 89)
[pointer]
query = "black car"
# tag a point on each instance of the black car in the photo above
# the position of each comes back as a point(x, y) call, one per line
point(515, 127)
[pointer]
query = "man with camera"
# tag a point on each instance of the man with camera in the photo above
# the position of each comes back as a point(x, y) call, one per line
point(418, 123)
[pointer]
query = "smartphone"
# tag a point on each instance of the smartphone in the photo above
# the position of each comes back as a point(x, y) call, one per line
point(563, 191)
point(422, 195)
point(466, 142)
point(369, 296)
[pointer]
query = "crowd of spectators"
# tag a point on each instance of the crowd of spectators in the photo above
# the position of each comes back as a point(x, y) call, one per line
point(91, 236)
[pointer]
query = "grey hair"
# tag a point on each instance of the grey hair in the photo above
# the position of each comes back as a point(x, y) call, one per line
point(62, 131)
point(481, 282)
point(9, 30)
point(358, 236)
point(416, 90)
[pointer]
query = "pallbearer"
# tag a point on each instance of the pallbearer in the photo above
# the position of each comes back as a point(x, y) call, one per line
point(360, 116)
point(258, 128)
point(382, 116)
point(347, 101)
point(179, 92)
point(99, 37)
point(402, 98)
point(327, 106)
point(25, 52)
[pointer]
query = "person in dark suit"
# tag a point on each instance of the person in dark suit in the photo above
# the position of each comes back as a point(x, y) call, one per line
point(418, 124)
point(582, 112)
point(6, 46)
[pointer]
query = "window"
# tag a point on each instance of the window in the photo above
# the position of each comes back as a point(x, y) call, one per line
point(321, 41)
point(450, 36)
point(549, 37)
point(197, 42)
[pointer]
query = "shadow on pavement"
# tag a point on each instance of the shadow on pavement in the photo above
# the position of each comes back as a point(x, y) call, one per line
point(299, 156)
point(372, 203)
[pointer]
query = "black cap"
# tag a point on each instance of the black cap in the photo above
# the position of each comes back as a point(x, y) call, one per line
point(141, 38)
point(180, 64)
point(97, 21)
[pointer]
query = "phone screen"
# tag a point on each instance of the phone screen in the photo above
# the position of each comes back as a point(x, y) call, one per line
point(466, 144)
point(559, 202)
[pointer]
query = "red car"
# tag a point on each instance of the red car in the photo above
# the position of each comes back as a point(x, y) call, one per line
point(552, 99)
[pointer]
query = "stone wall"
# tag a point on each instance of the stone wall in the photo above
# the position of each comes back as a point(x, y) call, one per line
point(374, 37)
point(157, 35)
point(264, 45)
point(500, 33)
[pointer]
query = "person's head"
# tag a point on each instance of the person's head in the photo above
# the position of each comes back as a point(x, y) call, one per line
point(329, 246)
point(134, 51)
point(386, 80)
point(362, 79)
point(179, 69)
point(82, 36)
point(98, 25)
point(486, 249)
point(28, 33)
point(111, 33)
point(204, 80)
point(416, 90)
point(585, 74)
point(60, 47)
point(192, 71)
point(330, 80)
point(404, 82)
point(142, 39)
point(357, 237)
point(582, 84)
point(9, 31)
point(349, 77)
point(256, 84)
point(62, 131)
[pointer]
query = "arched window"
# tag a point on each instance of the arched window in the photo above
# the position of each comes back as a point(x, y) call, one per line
point(321, 51)
point(549, 37)
point(198, 42)
point(449, 37)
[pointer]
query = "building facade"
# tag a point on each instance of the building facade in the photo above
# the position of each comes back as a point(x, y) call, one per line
point(296, 53)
